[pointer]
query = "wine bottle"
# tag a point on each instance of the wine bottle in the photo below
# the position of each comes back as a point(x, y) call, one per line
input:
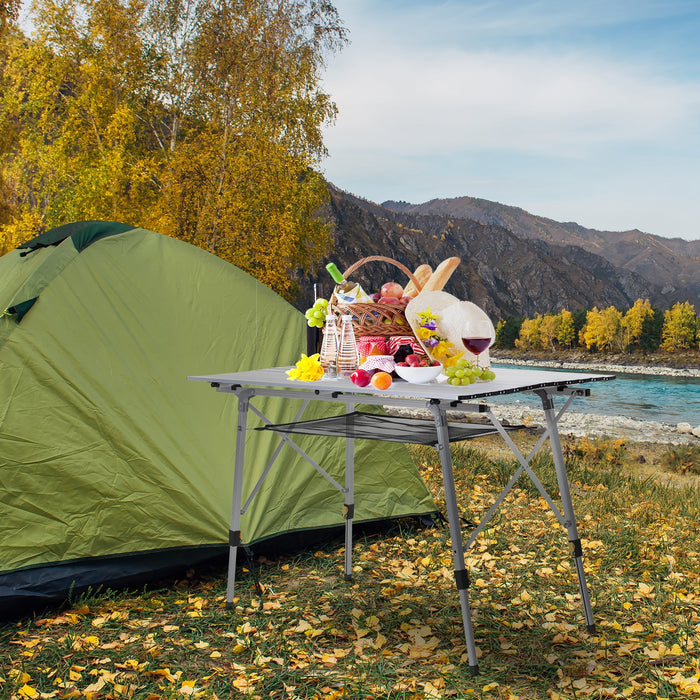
point(345, 291)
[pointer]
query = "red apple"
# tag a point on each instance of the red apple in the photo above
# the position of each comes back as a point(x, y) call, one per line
point(360, 377)
point(375, 297)
point(405, 300)
point(389, 300)
point(392, 289)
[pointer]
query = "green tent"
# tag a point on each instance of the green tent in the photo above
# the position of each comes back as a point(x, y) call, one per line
point(112, 464)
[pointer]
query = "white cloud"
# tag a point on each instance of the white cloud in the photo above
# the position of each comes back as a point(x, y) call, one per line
point(432, 102)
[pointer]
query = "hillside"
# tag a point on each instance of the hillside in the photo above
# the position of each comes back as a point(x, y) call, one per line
point(670, 264)
point(503, 273)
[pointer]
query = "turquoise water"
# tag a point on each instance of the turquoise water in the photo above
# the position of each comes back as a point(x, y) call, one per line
point(647, 397)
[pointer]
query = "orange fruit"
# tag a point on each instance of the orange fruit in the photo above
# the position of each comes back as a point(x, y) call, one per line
point(381, 380)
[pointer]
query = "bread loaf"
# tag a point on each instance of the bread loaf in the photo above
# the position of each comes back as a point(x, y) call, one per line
point(422, 274)
point(440, 275)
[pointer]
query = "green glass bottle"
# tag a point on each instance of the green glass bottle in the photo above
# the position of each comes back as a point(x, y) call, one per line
point(345, 291)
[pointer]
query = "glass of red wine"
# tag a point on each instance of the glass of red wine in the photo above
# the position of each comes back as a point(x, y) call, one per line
point(477, 336)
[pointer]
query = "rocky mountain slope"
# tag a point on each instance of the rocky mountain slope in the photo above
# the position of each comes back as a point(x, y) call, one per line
point(502, 272)
point(670, 264)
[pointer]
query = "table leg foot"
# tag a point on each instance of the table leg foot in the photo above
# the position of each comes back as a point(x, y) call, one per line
point(348, 577)
point(231, 580)
point(474, 670)
point(230, 605)
point(590, 629)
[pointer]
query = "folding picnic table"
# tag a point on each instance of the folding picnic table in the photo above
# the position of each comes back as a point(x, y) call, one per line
point(438, 398)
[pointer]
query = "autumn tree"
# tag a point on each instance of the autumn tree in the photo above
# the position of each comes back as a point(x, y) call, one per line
point(548, 331)
point(603, 330)
point(529, 336)
point(566, 331)
point(201, 119)
point(680, 330)
point(633, 322)
point(9, 12)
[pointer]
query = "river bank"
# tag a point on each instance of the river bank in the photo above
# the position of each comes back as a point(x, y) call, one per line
point(581, 424)
point(658, 364)
point(591, 425)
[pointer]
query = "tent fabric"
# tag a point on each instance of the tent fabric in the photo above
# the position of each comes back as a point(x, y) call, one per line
point(82, 233)
point(107, 452)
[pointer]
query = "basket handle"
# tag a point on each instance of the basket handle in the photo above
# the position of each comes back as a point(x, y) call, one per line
point(372, 258)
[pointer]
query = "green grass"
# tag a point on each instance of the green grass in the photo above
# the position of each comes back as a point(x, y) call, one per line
point(395, 631)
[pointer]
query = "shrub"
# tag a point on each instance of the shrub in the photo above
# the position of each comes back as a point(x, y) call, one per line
point(682, 459)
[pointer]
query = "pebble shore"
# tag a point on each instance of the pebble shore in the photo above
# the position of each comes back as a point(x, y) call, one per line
point(592, 425)
point(607, 368)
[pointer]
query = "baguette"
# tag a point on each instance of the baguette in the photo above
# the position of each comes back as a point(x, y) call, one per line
point(440, 275)
point(422, 274)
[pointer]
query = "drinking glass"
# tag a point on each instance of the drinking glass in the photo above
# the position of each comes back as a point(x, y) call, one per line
point(477, 336)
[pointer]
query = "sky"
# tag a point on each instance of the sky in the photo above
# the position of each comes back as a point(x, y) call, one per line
point(582, 111)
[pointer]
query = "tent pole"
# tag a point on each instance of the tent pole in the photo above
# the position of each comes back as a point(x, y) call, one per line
point(234, 535)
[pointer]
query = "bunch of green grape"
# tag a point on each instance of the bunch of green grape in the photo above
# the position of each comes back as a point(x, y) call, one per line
point(316, 315)
point(464, 372)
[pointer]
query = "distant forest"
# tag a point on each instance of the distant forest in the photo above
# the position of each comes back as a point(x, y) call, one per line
point(639, 328)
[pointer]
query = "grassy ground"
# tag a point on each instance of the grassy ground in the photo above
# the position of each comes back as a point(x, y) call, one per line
point(395, 631)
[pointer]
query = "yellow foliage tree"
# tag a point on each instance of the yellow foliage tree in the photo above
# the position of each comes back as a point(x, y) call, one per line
point(602, 329)
point(548, 331)
point(529, 337)
point(565, 329)
point(634, 321)
point(201, 119)
point(680, 330)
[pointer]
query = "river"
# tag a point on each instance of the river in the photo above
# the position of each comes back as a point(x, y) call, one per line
point(647, 397)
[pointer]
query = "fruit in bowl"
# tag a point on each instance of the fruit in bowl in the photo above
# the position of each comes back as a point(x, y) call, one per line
point(417, 374)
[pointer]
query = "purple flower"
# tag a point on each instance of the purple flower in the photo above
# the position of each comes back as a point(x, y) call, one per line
point(432, 342)
point(430, 325)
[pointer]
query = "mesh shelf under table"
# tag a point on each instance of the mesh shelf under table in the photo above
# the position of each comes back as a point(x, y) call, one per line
point(369, 426)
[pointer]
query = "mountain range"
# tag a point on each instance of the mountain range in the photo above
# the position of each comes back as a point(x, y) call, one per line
point(513, 262)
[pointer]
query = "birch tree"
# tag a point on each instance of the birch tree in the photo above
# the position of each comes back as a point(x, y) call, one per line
point(201, 119)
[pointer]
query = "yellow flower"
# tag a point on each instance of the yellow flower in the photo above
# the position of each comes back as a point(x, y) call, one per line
point(441, 350)
point(452, 360)
point(308, 369)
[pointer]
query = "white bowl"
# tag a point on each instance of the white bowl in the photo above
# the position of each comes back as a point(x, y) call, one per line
point(418, 375)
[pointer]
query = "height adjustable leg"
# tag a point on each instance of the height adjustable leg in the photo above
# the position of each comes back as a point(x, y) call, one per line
point(234, 539)
point(569, 516)
point(461, 575)
point(349, 506)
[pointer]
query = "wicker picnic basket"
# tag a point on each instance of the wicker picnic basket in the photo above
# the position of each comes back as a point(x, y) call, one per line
point(375, 319)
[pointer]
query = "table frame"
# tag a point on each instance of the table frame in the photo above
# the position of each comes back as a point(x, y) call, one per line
point(438, 399)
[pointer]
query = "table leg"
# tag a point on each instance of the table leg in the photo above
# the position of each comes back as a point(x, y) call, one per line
point(349, 505)
point(570, 517)
point(234, 535)
point(461, 575)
